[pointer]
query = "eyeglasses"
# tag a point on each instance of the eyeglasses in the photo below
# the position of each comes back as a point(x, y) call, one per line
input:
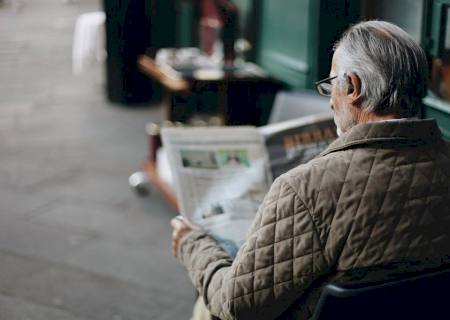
point(324, 86)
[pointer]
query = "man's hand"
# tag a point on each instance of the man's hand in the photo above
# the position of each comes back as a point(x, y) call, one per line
point(180, 227)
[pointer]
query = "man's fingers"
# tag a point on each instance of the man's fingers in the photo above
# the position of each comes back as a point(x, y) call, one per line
point(174, 250)
point(180, 227)
point(176, 223)
point(174, 247)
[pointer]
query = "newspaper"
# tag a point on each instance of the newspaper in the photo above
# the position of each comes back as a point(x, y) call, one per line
point(293, 142)
point(221, 174)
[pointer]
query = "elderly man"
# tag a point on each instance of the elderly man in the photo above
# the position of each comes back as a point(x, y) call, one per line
point(378, 196)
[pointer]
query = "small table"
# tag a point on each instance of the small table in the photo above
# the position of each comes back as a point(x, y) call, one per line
point(150, 168)
point(237, 95)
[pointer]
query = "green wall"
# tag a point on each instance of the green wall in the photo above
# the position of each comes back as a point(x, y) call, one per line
point(297, 36)
point(284, 40)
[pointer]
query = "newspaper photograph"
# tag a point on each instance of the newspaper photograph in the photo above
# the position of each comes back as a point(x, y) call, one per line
point(221, 175)
point(293, 142)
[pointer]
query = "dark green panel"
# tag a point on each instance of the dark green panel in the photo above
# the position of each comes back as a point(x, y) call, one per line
point(284, 26)
point(162, 18)
point(249, 17)
point(297, 37)
point(186, 17)
point(439, 110)
point(285, 33)
point(437, 26)
point(245, 10)
point(409, 20)
point(434, 31)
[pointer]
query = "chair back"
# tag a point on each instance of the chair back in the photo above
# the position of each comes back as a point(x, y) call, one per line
point(294, 104)
point(417, 297)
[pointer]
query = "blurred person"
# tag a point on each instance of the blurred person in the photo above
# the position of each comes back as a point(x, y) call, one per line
point(375, 203)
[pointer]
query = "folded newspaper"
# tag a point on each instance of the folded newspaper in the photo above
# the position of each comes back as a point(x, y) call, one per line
point(221, 174)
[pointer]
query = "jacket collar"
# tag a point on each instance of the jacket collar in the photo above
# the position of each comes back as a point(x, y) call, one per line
point(402, 132)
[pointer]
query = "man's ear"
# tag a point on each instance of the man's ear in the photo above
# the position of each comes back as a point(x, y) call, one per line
point(354, 86)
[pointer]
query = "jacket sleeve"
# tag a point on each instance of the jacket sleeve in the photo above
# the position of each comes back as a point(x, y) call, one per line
point(279, 260)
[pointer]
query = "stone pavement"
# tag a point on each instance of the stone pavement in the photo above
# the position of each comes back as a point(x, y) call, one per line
point(75, 242)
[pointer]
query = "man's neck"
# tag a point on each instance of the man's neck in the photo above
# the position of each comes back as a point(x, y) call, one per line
point(364, 117)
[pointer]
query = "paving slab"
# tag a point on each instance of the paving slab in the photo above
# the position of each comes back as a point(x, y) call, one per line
point(140, 264)
point(75, 242)
point(16, 309)
point(94, 296)
point(29, 238)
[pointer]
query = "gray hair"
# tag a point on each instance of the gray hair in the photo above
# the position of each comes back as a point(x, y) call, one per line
point(392, 67)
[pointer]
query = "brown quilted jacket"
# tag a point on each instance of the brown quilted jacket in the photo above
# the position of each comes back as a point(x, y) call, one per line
point(378, 194)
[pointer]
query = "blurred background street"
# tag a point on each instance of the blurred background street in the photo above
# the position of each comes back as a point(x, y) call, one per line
point(75, 242)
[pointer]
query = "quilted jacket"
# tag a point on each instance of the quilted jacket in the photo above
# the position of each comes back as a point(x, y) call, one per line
point(379, 194)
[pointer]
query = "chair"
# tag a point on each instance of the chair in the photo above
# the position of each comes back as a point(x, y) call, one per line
point(88, 40)
point(294, 104)
point(417, 297)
